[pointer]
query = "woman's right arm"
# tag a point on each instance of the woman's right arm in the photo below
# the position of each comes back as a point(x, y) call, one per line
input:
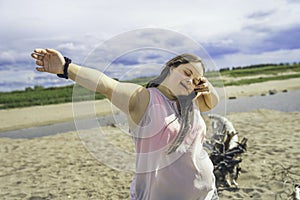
point(128, 97)
point(92, 79)
point(131, 98)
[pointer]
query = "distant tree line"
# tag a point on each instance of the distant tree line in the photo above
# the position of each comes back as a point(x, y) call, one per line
point(259, 65)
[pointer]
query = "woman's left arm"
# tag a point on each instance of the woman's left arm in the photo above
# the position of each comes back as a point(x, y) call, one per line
point(207, 96)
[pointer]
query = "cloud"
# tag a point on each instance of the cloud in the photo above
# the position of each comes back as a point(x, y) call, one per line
point(255, 40)
point(89, 31)
point(260, 15)
point(246, 59)
point(140, 47)
point(221, 48)
point(283, 39)
point(259, 40)
point(7, 57)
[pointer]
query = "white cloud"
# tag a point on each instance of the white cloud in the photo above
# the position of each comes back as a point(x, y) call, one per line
point(202, 18)
point(242, 59)
point(231, 30)
point(7, 56)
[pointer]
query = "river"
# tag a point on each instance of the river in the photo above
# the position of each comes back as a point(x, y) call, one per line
point(283, 101)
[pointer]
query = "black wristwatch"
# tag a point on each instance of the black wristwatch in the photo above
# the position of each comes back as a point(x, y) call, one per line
point(66, 66)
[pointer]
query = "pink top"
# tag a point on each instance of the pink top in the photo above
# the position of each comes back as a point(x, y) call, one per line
point(185, 174)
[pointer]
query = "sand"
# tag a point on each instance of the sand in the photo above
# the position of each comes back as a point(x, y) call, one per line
point(259, 88)
point(61, 167)
point(271, 165)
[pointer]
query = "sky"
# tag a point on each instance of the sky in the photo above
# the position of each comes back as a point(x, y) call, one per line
point(132, 38)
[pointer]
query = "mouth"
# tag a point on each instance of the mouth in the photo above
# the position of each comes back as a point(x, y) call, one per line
point(184, 86)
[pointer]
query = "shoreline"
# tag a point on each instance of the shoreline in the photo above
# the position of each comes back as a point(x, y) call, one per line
point(259, 89)
point(20, 118)
point(281, 102)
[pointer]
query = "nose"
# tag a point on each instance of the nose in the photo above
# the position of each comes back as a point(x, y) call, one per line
point(190, 84)
point(190, 81)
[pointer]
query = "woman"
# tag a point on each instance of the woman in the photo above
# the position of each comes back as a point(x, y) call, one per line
point(165, 122)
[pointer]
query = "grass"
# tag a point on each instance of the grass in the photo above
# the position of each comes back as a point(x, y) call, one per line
point(42, 96)
point(54, 95)
point(262, 79)
point(266, 70)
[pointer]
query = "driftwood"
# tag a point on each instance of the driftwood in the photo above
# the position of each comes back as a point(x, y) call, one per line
point(225, 151)
point(297, 192)
point(286, 175)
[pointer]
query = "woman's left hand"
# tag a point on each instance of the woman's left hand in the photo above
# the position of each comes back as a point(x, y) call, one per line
point(207, 96)
point(203, 86)
point(50, 61)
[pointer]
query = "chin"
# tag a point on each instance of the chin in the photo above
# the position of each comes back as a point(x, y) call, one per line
point(184, 94)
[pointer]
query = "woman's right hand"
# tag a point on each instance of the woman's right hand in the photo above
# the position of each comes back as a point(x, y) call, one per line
point(50, 60)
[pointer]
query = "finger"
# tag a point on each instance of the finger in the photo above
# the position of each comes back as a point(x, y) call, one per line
point(40, 51)
point(39, 62)
point(202, 85)
point(205, 92)
point(203, 79)
point(51, 51)
point(40, 69)
point(201, 89)
point(34, 55)
point(37, 56)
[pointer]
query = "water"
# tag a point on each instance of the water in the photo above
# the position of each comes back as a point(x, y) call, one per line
point(285, 102)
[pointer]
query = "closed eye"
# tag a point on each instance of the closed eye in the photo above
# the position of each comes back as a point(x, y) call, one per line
point(187, 73)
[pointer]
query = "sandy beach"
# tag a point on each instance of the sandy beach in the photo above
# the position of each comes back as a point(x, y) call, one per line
point(61, 167)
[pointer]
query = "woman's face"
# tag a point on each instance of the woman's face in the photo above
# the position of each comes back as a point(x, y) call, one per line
point(183, 79)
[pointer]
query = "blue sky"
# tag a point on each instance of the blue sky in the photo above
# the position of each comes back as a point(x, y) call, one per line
point(233, 32)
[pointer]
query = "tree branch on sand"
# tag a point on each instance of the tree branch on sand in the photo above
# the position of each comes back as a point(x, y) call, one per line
point(225, 151)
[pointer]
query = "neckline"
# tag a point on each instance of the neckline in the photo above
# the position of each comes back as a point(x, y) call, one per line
point(173, 103)
point(166, 92)
point(165, 97)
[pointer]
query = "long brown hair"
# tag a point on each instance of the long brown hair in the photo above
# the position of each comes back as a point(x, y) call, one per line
point(186, 117)
point(174, 62)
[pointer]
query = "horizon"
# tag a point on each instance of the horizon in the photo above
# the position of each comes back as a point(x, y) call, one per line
point(67, 83)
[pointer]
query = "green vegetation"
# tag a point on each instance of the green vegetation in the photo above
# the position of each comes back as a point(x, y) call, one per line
point(43, 96)
point(141, 81)
point(261, 70)
point(235, 76)
point(253, 74)
point(262, 79)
